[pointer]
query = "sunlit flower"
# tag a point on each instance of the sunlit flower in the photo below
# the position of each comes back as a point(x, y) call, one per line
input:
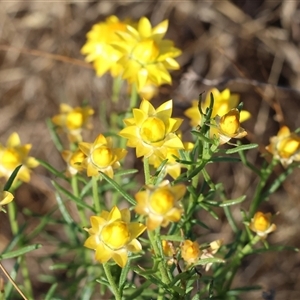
point(152, 131)
point(112, 235)
point(172, 167)
point(210, 252)
point(73, 120)
point(98, 48)
point(74, 161)
point(228, 126)
point(5, 198)
point(146, 56)
point(169, 251)
point(285, 146)
point(223, 102)
point(14, 155)
point(160, 204)
point(101, 156)
point(261, 224)
point(190, 252)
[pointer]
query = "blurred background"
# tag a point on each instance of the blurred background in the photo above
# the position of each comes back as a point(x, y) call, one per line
point(249, 46)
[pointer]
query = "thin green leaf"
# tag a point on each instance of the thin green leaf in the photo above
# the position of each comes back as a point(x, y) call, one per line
point(119, 189)
point(70, 196)
point(52, 170)
point(20, 252)
point(224, 159)
point(11, 178)
point(51, 291)
point(240, 290)
point(201, 136)
point(232, 201)
point(56, 140)
point(241, 148)
point(172, 238)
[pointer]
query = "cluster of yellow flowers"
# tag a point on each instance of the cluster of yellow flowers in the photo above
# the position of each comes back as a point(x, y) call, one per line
point(137, 52)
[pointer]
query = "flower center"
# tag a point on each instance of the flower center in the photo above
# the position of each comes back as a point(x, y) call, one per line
point(145, 52)
point(153, 130)
point(229, 123)
point(161, 201)
point(74, 120)
point(288, 146)
point(102, 157)
point(261, 223)
point(115, 235)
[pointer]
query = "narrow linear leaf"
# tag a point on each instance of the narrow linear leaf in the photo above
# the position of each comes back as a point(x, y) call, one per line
point(201, 136)
point(241, 148)
point(20, 252)
point(224, 159)
point(119, 189)
point(232, 201)
point(51, 291)
point(70, 196)
point(52, 170)
point(172, 238)
point(11, 178)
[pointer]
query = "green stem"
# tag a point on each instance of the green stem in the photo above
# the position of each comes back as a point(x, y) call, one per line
point(265, 174)
point(112, 282)
point(147, 170)
point(26, 278)
point(133, 96)
point(117, 82)
point(154, 240)
point(12, 214)
point(74, 183)
point(96, 198)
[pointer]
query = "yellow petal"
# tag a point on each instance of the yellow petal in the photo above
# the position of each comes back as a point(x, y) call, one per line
point(103, 254)
point(134, 246)
point(13, 140)
point(120, 258)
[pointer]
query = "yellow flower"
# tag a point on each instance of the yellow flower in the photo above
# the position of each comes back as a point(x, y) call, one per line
point(261, 224)
point(74, 161)
point(72, 120)
point(285, 146)
point(172, 167)
point(101, 156)
point(98, 47)
point(6, 197)
point(228, 126)
point(152, 131)
point(190, 252)
point(113, 236)
point(160, 204)
point(223, 102)
point(15, 154)
point(146, 56)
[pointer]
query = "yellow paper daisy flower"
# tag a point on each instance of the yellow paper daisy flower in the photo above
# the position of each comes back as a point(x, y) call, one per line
point(15, 154)
point(261, 224)
point(112, 235)
point(74, 161)
point(73, 120)
point(160, 204)
point(98, 48)
point(152, 131)
point(223, 102)
point(101, 156)
point(285, 146)
point(190, 252)
point(146, 56)
point(228, 126)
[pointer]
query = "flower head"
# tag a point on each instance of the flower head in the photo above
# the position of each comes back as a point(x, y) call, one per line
point(5, 198)
point(152, 131)
point(190, 252)
point(112, 235)
point(160, 204)
point(101, 156)
point(228, 126)
point(147, 57)
point(285, 146)
point(223, 102)
point(98, 48)
point(74, 161)
point(261, 224)
point(15, 154)
point(172, 167)
point(73, 120)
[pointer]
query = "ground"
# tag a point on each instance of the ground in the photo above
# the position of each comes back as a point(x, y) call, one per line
point(249, 46)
